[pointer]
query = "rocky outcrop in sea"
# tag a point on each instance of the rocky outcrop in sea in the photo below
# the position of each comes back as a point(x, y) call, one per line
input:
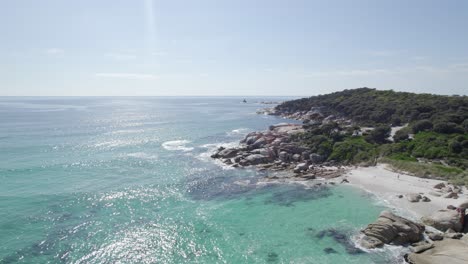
point(275, 150)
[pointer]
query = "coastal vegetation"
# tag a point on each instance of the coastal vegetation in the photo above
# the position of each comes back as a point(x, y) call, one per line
point(369, 107)
point(354, 127)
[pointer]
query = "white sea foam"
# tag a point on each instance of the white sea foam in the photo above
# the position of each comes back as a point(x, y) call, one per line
point(177, 145)
point(238, 131)
point(394, 252)
point(211, 148)
point(119, 143)
point(123, 131)
point(142, 155)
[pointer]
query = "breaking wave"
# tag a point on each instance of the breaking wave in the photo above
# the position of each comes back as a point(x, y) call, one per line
point(177, 145)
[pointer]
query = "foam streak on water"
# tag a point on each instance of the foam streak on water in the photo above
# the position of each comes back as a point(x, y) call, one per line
point(130, 180)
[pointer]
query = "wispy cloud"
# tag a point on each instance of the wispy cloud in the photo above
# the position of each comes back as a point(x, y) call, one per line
point(131, 76)
point(448, 69)
point(460, 66)
point(355, 72)
point(418, 58)
point(159, 53)
point(55, 51)
point(120, 56)
point(383, 53)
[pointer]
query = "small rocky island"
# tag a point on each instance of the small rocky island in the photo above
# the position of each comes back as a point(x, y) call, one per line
point(422, 135)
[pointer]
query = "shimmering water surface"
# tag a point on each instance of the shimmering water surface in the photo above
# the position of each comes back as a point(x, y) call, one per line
point(129, 180)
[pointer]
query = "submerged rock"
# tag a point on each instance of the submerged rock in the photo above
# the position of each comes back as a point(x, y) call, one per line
point(341, 237)
point(329, 250)
point(391, 229)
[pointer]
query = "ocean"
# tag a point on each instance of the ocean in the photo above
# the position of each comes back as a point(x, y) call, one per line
point(130, 180)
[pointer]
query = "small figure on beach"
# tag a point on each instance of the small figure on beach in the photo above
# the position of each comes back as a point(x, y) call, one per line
point(398, 176)
point(245, 101)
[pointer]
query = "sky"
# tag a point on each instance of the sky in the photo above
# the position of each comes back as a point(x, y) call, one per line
point(238, 47)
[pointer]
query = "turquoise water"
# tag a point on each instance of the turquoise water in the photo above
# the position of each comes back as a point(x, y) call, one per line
point(129, 180)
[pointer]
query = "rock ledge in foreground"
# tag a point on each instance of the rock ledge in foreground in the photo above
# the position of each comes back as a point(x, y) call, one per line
point(391, 229)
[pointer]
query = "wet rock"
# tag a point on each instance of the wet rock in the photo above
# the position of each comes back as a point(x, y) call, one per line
point(244, 162)
point(238, 158)
point(391, 229)
point(371, 242)
point(225, 153)
point(400, 196)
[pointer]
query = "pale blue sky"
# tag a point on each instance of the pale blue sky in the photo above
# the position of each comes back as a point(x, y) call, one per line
point(238, 47)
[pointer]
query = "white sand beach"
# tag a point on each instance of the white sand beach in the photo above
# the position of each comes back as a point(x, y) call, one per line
point(387, 185)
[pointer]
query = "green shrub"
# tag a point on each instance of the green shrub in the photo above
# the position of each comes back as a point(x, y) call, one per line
point(379, 135)
point(401, 135)
point(422, 125)
point(353, 150)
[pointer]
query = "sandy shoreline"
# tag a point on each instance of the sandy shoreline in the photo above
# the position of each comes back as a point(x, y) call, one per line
point(386, 185)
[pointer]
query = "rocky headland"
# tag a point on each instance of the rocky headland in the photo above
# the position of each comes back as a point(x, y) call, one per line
point(275, 150)
point(336, 143)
